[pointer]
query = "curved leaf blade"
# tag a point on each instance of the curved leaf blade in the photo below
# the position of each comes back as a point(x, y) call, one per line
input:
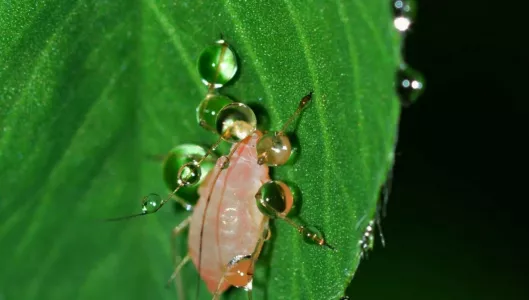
point(90, 89)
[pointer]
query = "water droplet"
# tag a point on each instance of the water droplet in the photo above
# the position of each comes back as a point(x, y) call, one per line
point(217, 64)
point(209, 109)
point(409, 84)
point(311, 235)
point(150, 203)
point(273, 149)
point(404, 13)
point(189, 174)
point(273, 198)
point(178, 157)
point(235, 122)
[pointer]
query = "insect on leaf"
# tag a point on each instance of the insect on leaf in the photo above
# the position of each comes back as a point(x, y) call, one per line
point(91, 91)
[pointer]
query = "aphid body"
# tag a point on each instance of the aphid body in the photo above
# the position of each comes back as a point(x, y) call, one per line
point(237, 198)
point(231, 219)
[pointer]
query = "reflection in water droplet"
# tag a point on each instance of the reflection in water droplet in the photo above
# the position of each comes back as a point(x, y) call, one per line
point(409, 84)
point(176, 159)
point(404, 13)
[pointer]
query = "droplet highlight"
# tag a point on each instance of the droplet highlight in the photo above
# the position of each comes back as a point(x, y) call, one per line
point(409, 84)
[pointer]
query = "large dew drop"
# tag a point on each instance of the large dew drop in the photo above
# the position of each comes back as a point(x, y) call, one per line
point(217, 64)
point(208, 110)
point(178, 157)
point(273, 198)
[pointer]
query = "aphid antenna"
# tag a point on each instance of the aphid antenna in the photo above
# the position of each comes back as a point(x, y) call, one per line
point(306, 232)
point(302, 104)
point(182, 181)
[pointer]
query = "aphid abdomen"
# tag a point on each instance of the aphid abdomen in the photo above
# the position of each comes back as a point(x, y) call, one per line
point(231, 224)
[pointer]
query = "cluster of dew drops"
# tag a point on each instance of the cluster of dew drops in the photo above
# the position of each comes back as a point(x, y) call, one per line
point(186, 166)
point(409, 84)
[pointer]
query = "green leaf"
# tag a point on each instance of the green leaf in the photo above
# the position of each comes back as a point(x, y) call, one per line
point(90, 89)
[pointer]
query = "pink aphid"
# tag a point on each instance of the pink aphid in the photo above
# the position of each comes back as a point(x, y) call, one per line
point(231, 225)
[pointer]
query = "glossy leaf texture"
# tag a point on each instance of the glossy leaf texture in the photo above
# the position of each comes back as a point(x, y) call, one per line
point(91, 90)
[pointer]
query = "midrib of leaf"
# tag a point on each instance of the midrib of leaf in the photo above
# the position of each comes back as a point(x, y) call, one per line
point(248, 50)
point(327, 156)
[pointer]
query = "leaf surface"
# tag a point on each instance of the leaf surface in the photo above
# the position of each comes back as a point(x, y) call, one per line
point(90, 89)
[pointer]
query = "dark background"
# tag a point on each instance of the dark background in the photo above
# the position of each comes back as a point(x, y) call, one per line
point(457, 224)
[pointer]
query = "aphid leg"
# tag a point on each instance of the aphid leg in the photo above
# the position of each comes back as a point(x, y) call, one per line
point(175, 232)
point(240, 270)
point(275, 200)
point(176, 276)
point(186, 205)
point(275, 148)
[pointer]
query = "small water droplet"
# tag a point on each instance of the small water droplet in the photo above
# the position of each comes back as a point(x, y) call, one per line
point(311, 235)
point(409, 84)
point(150, 203)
